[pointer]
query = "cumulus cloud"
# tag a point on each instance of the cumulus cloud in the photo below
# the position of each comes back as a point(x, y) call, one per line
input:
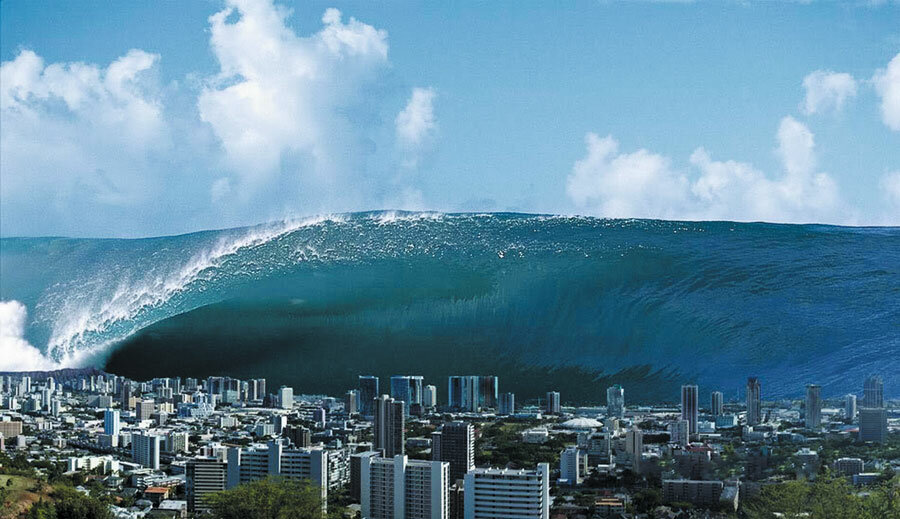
point(890, 185)
point(280, 104)
point(887, 84)
point(827, 91)
point(643, 184)
point(16, 353)
point(77, 134)
point(416, 121)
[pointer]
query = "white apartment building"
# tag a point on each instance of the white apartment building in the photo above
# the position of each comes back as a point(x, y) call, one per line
point(401, 488)
point(508, 494)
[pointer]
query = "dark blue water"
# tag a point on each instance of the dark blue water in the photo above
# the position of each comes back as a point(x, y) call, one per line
point(543, 302)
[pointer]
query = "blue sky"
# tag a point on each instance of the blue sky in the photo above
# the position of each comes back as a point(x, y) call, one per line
point(140, 118)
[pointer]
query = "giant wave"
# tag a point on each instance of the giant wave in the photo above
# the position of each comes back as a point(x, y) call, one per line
point(545, 302)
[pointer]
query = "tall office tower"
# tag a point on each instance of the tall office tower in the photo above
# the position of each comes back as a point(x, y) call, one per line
point(388, 432)
point(205, 476)
point(126, 395)
point(51, 384)
point(298, 435)
point(356, 462)
point(190, 384)
point(144, 409)
point(286, 397)
point(111, 424)
point(553, 405)
point(872, 424)
point(753, 402)
point(368, 392)
point(145, 450)
point(461, 394)
point(400, 488)
point(429, 397)
point(615, 401)
point(849, 408)
point(261, 387)
point(407, 389)
point(813, 416)
point(570, 465)
point(873, 392)
point(507, 404)
point(716, 403)
point(488, 390)
point(689, 407)
point(634, 447)
point(279, 422)
point(508, 493)
point(351, 402)
point(456, 446)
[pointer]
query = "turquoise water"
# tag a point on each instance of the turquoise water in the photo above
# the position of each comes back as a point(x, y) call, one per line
point(544, 302)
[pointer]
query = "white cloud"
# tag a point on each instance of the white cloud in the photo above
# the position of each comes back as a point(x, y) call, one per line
point(827, 91)
point(887, 84)
point(16, 353)
point(77, 134)
point(643, 184)
point(621, 185)
point(416, 121)
point(280, 100)
point(890, 185)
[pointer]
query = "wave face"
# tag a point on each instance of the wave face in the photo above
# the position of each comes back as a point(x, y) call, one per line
point(544, 302)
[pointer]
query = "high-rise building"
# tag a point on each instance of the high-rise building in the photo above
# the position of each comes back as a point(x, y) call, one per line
point(276, 459)
point(553, 404)
point(145, 450)
point(126, 395)
point(351, 402)
point(508, 493)
point(872, 424)
point(849, 408)
point(407, 389)
point(634, 447)
point(368, 392)
point(111, 425)
point(177, 441)
point(205, 476)
point(753, 401)
point(716, 403)
point(813, 412)
point(689, 407)
point(144, 409)
point(400, 488)
point(507, 404)
point(356, 462)
point(570, 463)
point(429, 397)
point(679, 432)
point(472, 392)
point(488, 390)
point(873, 392)
point(615, 401)
point(388, 433)
point(286, 397)
point(456, 446)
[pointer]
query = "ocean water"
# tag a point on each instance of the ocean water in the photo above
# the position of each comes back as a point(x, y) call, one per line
point(546, 303)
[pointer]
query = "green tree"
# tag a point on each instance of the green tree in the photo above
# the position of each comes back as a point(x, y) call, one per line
point(271, 498)
point(72, 504)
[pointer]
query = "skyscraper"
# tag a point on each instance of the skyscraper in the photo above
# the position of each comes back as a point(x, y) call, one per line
point(351, 402)
point(873, 392)
point(401, 488)
point(872, 424)
point(111, 424)
point(615, 401)
point(813, 412)
point(523, 494)
point(286, 397)
point(553, 403)
point(457, 447)
point(634, 446)
point(716, 403)
point(145, 450)
point(368, 392)
point(429, 397)
point(388, 432)
point(407, 389)
point(753, 403)
point(472, 392)
point(849, 408)
point(205, 476)
point(507, 404)
point(689, 407)
point(488, 390)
